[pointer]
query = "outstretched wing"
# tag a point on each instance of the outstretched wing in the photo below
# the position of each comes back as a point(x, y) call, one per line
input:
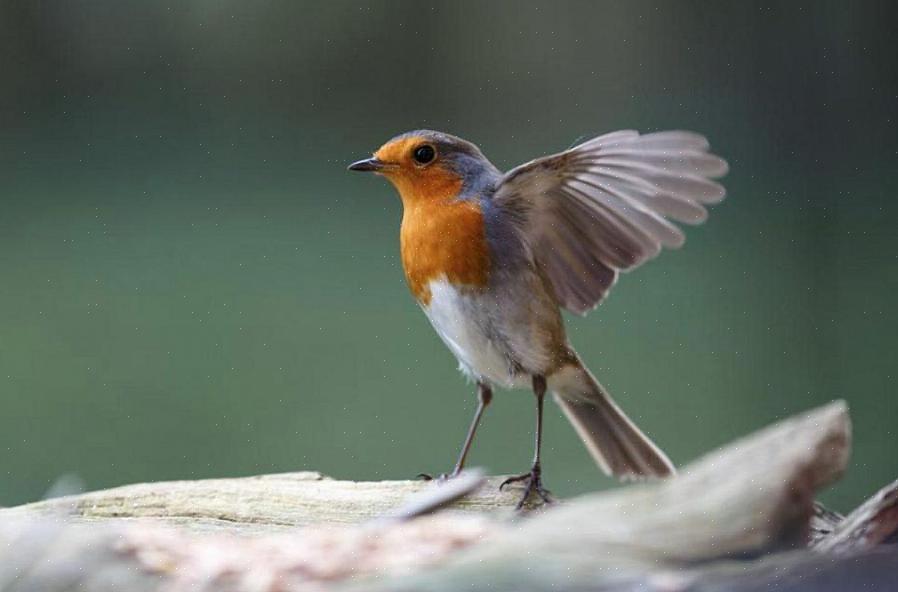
point(606, 205)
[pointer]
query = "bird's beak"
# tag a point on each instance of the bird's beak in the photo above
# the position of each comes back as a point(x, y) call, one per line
point(368, 165)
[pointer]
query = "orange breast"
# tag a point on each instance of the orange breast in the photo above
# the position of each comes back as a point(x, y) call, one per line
point(443, 238)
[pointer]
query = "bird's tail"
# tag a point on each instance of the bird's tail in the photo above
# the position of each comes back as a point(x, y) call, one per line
point(616, 444)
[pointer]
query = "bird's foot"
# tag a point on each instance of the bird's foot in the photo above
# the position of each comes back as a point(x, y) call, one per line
point(442, 477)
point(533, 485)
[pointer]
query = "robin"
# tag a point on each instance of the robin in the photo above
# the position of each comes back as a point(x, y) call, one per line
point(492, 259)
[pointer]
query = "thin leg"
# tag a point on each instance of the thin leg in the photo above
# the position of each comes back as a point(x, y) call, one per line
point(539, 389)
point(534, 476)
point(484, 397)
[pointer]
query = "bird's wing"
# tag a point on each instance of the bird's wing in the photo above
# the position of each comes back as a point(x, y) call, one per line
point(606, 205)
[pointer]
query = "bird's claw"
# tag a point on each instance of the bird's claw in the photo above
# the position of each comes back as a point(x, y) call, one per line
point(442, 477)
point(534, 485)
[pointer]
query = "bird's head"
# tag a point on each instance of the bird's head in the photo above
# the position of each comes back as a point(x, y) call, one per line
point(425, 165)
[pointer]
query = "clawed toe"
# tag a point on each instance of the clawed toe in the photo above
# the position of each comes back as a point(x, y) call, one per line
point(439, 478)
point(514, 479)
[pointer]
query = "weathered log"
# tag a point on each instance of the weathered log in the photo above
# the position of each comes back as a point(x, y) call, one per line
point(875, 522)
point(823, 522)
point(261, 504)
point(747, 500)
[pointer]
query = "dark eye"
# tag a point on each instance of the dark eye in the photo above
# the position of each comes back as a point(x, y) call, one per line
point(424, 154)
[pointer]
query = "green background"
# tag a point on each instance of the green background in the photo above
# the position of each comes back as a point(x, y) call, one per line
point(192, 286)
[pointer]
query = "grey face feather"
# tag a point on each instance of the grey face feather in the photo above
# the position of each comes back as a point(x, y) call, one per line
point(479, 175)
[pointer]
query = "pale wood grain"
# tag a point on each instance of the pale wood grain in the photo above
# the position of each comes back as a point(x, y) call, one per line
point(303, 531)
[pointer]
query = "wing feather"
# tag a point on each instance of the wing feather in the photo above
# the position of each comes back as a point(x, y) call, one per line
point(606, 206)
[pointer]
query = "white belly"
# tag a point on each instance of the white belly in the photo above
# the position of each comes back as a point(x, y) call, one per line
point(459, 321)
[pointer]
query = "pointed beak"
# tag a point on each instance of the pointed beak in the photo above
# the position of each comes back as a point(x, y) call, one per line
point(367, 165)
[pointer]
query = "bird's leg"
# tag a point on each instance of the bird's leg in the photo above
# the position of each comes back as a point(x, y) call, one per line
point(484, 396)
point(534, 476)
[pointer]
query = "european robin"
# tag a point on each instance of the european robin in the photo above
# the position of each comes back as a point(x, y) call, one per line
point(493, 257)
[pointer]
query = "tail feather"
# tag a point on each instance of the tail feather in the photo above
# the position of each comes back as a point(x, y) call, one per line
point(617, 445)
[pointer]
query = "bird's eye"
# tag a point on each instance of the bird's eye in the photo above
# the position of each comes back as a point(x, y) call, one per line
point(424, 154)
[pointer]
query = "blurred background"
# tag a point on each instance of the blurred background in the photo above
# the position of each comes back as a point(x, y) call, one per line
point(192, 286)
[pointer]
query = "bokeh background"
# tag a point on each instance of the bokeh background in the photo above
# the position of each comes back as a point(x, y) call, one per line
point(192, 286)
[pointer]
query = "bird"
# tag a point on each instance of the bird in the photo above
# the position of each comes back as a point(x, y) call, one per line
point(493, 258)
